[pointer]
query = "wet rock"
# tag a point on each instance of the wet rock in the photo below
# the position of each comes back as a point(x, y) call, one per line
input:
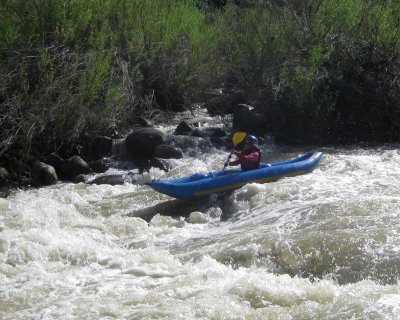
point(74, 166)
point(101, 146)
point(45, 173)
point(197, 133)
point(166, 151)
point(192, 145)
point(112, 179)
point(55, 161)
point(142, 122)
point(219, 142)
point(183, 128)
point(250, 121)
point(219, 106)
point(4, 174)
point(141, 143)
point(215, 132)
point(225, 102)
point(80, 178)
point(99, 166)
point(146, 165)
point(119, 179)
point(172, 208)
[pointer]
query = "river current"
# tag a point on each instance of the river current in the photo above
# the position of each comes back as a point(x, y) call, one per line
point(325, 245)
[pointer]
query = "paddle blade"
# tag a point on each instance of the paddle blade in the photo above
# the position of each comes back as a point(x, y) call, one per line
point(238, 137)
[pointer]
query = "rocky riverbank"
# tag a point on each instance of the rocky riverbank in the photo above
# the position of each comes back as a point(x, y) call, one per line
point(144, 147)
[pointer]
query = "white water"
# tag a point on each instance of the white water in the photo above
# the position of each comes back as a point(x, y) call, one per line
point(320, 246)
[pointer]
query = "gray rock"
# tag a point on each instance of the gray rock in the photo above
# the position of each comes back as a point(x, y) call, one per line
point(183, 128)
point(55, 161)
point(101, 146)
point(4, 174)
point(166, 151)
point(74, 166)
point(250, 121)
point(141, 144)
point(80, 178)
point(99, 166)
point(45, 173)
point(112, 179)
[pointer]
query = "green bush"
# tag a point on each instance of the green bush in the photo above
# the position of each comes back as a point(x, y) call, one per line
point(320, 70)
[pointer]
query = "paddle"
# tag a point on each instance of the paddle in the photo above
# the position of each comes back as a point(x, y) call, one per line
point(236, 139)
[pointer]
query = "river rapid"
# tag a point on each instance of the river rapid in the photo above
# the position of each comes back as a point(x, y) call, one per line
point(325, 245)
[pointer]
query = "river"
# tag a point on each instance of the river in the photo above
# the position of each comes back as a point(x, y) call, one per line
point(325, 245)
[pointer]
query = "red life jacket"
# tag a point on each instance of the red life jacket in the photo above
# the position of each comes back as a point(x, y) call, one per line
point(247, 163)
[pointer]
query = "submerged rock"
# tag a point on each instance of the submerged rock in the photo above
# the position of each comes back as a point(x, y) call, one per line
point(119, 179)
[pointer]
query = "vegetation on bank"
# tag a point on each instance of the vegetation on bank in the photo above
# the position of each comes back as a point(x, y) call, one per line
point(321, 71)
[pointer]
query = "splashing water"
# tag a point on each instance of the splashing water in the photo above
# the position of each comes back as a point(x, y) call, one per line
point(319, 246)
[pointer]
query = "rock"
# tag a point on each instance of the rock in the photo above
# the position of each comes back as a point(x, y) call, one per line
point(146, 165)
point(250, 121)
point(219, 142)
point(190, 143)
point(55, 161)
point(142, 122)
point(45, 173)
point(4, 174)
point(225, 102)
point(112, 179)
point(119, 179)
point(141, 143)
point(80, 178)
point(101, 146)
point(183, 128)
point(98, 166)
point(172, 208)
point(219, 106)
point(197, 133)
point(166, 151)
point(160, 164)
point(74, 166)
point(216, 132)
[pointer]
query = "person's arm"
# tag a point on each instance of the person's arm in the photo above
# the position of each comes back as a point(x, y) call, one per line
point(234, 163)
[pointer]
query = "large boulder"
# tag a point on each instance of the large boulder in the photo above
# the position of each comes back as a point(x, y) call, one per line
point(141, 144)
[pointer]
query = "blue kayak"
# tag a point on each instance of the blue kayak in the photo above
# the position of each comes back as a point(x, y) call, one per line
point(201, 185)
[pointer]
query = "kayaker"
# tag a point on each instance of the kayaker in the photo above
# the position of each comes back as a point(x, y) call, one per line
point(250, 157)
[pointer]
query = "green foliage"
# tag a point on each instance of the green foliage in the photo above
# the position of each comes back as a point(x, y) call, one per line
point(321, 70)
